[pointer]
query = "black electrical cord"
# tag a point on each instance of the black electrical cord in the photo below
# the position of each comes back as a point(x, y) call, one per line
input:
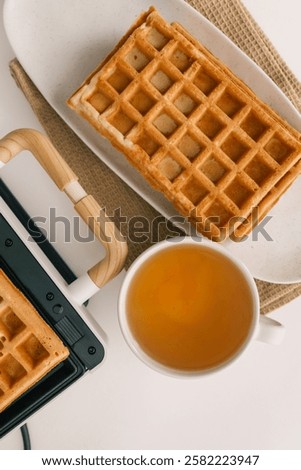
point(25, 437)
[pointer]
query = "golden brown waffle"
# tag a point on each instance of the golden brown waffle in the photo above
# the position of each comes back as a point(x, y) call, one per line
point(29, 348)
point(194, 130)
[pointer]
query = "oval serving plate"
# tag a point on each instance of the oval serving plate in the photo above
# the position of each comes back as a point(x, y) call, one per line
point(60, 43)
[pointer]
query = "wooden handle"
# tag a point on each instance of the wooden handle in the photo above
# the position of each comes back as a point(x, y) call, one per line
point(41, 147)
point(106, 232)
point(85, 205)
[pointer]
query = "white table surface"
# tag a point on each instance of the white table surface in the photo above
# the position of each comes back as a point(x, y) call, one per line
point(255, 404)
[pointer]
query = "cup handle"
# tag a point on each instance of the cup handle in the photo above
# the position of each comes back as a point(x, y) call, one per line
point(270, 331)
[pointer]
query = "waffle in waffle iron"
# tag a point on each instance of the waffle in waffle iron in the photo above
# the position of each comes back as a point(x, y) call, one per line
point(29, 348)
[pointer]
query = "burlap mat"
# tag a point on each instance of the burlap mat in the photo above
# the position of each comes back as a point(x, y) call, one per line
point(235, 21)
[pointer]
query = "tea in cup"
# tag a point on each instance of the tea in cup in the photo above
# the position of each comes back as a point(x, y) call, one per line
point(188, 307)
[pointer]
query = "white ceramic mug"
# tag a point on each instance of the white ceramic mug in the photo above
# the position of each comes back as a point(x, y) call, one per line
point(262, 328)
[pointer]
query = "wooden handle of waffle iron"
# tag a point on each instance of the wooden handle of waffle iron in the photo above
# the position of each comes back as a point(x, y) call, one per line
point(85, 205)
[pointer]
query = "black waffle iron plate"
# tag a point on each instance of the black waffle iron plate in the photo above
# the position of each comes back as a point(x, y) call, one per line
point(25, 271)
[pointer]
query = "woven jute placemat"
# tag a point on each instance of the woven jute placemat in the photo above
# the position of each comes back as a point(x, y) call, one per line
point(111, 192)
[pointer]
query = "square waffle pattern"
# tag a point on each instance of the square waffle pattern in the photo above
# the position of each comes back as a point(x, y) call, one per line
point(29, 348)
point(194, 130)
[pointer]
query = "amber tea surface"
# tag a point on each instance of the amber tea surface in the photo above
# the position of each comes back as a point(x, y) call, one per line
point(189, 308)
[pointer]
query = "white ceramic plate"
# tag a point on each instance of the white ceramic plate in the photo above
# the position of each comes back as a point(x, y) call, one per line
point(59, 43)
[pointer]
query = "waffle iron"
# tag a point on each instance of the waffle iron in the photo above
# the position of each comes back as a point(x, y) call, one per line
point(37, 270)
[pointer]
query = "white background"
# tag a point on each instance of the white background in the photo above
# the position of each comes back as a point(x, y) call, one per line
point(255, 404)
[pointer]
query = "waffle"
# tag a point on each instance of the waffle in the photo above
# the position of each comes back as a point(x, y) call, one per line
point(29, 348)
point(192, 128)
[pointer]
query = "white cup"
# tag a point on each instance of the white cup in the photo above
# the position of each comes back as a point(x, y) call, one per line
point(262, 328)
